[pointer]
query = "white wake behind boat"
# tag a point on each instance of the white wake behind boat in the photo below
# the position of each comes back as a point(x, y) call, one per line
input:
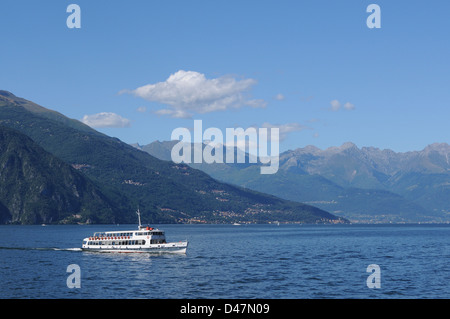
point(144, 240)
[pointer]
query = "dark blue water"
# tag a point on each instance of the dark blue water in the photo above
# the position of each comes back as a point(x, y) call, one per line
point(225, 261)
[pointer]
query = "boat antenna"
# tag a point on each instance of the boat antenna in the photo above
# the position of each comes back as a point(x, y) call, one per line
point(138, 212)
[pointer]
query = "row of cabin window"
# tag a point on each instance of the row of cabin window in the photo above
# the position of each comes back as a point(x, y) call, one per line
point(126, 242)
point(131, 234)
point(120, 242)
point(116, 235)
point(148, 233)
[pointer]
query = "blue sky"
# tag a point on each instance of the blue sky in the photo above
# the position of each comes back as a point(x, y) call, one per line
point(312, 68)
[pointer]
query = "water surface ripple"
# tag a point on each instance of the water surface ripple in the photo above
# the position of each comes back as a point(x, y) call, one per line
point(226, 261)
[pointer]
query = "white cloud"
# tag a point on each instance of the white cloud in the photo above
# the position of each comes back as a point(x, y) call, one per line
point(179, 114)
point(279, 97)
point(349, 106)
point(189, 92)
point(285, 129)
point(141, 109)
point(336, 106)
point(105, 119)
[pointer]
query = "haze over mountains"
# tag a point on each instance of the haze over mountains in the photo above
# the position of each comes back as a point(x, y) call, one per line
point(362, 184)
point(57, 170)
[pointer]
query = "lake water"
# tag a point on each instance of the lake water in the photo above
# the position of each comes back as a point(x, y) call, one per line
point(235, 262)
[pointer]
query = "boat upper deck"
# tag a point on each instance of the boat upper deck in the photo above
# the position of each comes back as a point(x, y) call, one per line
point(128, 233)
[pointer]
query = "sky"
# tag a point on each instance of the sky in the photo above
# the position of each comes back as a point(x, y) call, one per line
point(137, 70)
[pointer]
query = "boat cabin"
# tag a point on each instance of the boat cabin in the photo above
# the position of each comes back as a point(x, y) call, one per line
point(139, 237)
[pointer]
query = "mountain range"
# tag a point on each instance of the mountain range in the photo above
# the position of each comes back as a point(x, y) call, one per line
point(58, 170)
point(362, 184)
point(37, 187)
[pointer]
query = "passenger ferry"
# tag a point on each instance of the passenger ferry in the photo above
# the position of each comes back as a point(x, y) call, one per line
point(144, 240)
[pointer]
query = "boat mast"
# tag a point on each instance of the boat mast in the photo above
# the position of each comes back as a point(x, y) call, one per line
point(139, 217)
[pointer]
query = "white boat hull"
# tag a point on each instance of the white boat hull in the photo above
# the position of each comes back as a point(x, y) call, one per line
point(174, 248)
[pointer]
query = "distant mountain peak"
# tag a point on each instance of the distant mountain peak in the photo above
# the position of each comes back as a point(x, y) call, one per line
point(18, 101)
point(442, 148)
point(137, 145)
point(8, 97)
point(343, 147)
point(311, 149)
point(7, 94)
point(347, 145)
